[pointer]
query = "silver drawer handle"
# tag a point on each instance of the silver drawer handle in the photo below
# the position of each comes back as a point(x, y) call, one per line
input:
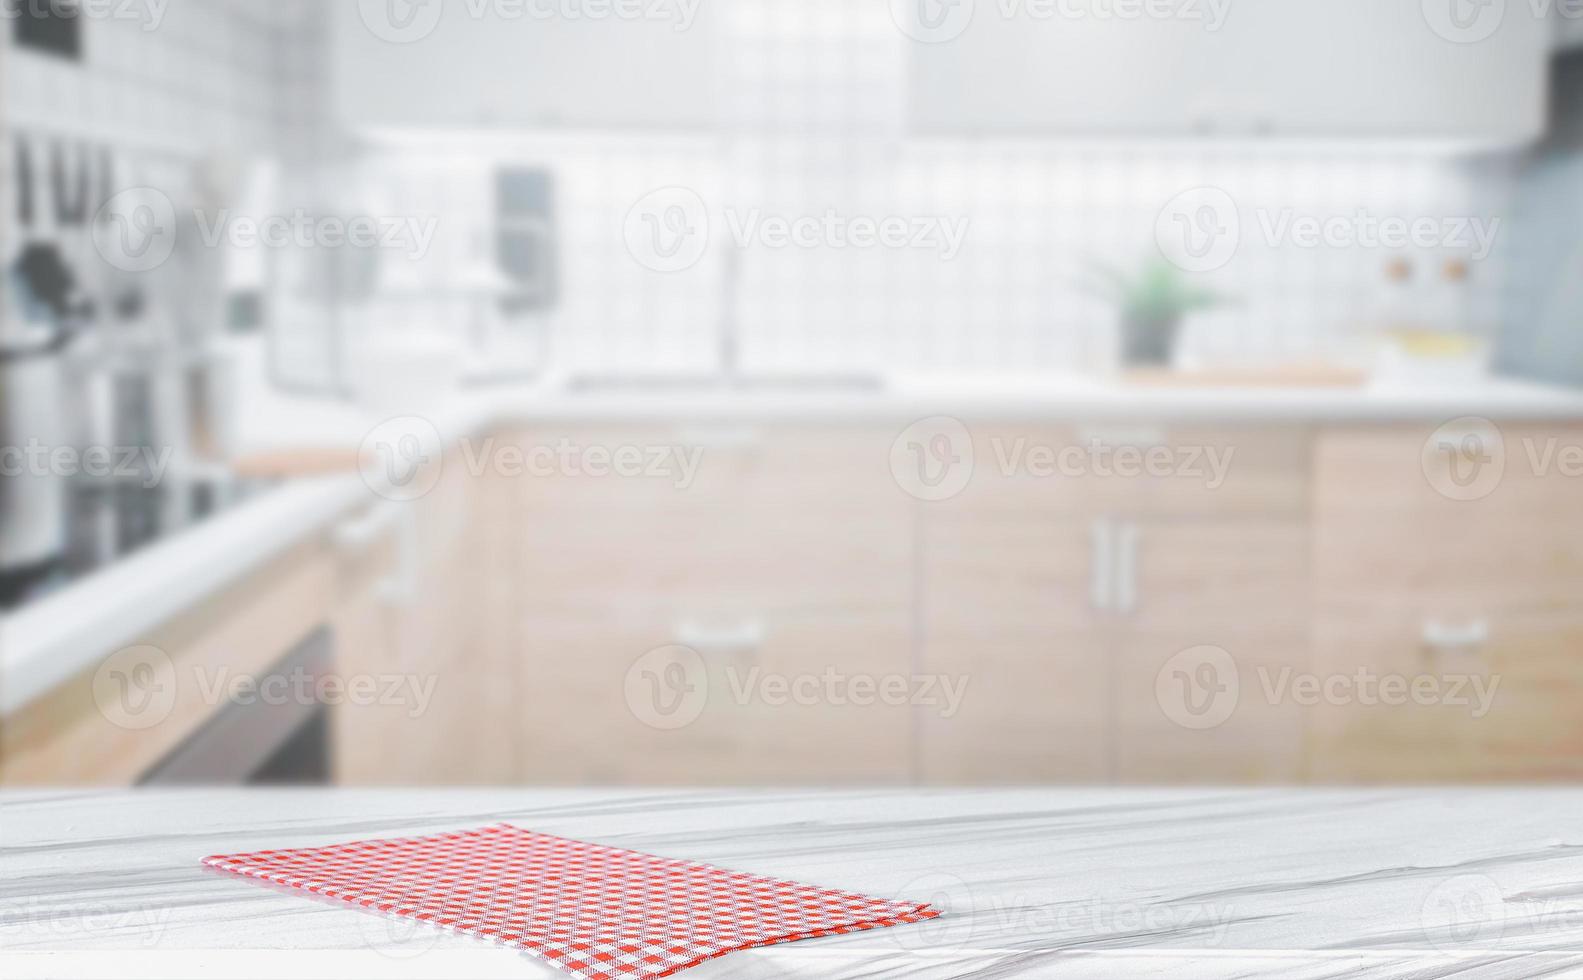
point(1127, 568)
point(721, 439)
point(746, 636)
point(1101, 583)
point(1442, 638)
point(381, 520)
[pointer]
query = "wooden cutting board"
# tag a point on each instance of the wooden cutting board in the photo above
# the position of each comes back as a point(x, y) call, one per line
point(1272, 376)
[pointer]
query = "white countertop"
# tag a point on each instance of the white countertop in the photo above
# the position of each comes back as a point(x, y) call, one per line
point(45, 644)
point(276, 422)
point(1039, 884)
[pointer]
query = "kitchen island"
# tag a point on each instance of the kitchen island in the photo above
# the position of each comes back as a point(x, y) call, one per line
point(1089, 883)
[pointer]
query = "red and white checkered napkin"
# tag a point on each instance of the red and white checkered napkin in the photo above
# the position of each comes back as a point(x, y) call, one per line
point(598, 913)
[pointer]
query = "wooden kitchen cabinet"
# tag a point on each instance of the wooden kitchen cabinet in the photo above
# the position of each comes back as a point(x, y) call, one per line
point(433, 620)
point(1413, 583)
point(112, 724)
point(512, 67)
point(1235, 585)
point(1063, 597)
point(1007, 610)
point(787, 556)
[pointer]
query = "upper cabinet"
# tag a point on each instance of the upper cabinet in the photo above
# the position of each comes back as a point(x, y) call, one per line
point(483, 64)
point(1297, 68)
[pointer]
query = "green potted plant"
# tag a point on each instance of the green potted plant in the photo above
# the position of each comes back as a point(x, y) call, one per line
point(1152, 304)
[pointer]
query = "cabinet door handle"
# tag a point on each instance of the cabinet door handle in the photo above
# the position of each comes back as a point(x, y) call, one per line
point(746, 636)
point(1101, 570)
point(1127, 568)
point(387, 518)
point(722, 439)
point(1442, 638)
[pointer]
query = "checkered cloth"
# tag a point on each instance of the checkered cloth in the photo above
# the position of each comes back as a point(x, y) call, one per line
point(598, 913)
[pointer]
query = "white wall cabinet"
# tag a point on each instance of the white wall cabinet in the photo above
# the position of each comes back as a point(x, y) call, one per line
point(482, 64)
point(1292, 68)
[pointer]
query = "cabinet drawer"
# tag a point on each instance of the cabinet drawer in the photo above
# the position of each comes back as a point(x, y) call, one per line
point(591, 700)
point(1504, 709)
point(784, 518)
point(1386, 536)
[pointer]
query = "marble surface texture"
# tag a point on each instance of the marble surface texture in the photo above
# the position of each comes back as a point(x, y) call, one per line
point(1089, 883)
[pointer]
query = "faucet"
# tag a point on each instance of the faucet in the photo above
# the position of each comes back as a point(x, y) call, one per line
point(728, 341)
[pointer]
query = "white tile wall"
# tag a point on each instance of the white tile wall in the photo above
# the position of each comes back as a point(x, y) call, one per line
point(1040, 217)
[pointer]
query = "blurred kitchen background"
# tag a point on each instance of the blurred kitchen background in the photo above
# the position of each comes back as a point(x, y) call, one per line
point(455, 391)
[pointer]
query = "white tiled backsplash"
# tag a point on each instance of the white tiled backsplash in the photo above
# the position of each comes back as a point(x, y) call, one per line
point(1017, 297)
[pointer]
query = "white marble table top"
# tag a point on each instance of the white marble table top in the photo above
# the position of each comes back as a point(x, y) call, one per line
point(1090, 883)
